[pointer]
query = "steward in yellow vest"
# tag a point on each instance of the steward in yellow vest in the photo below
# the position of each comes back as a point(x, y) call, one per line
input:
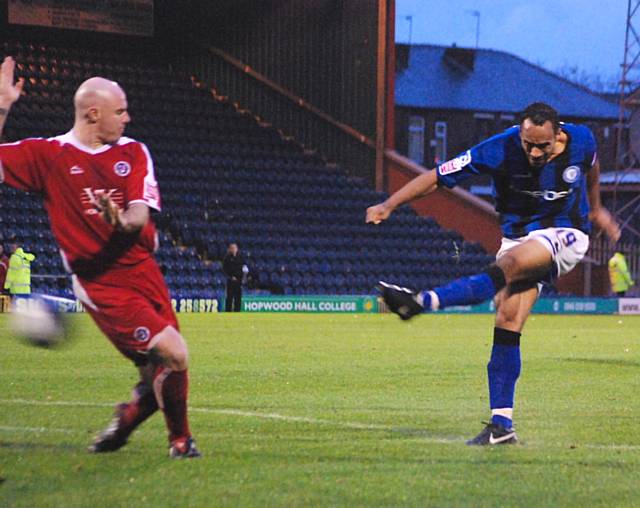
point(619, 275)
point(18, 281)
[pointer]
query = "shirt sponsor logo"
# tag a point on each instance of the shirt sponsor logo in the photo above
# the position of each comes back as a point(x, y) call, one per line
point(141, 334)
point(571, 174)
point(548, 195)
point(122, 168)
point(89, 198)
point(455, 165)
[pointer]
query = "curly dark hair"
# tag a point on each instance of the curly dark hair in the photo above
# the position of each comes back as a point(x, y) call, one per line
point(539, 113)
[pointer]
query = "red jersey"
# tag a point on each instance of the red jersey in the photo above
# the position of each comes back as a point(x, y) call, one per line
point(4, 266)
point(69, 174)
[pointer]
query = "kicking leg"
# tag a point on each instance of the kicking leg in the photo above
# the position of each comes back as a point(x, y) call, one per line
point(128, 415)
point(530, 260)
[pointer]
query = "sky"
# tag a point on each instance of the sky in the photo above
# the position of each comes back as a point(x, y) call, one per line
point(555, 34)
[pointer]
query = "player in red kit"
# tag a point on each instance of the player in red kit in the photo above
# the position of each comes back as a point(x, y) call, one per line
point(98, 187)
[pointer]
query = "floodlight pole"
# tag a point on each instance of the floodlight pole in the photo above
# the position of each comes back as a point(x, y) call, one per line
point(629, 82)
point(477, 16)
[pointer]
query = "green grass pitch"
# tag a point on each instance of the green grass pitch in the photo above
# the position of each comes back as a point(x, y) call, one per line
point(333, 410)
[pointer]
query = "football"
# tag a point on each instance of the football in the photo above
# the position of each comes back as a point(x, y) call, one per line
point(37, 322)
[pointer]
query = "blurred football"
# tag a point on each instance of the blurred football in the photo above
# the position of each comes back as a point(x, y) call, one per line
point(37, 322)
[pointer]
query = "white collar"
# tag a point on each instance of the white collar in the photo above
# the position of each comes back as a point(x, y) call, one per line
point(71, 139)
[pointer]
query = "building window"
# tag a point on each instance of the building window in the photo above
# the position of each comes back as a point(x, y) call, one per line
point(416, 139)
point(439, 142)
point(485, 125)
point(507, 121)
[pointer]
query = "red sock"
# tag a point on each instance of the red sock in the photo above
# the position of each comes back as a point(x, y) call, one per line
point(171, 389)
point(141, 407)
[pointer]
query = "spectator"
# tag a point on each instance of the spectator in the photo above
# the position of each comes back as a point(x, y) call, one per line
point(234, 269)
point(4, 266)
point(18, 278)
point(619, 274)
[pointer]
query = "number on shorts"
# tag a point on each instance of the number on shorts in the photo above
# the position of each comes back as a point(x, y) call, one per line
point(568, 239)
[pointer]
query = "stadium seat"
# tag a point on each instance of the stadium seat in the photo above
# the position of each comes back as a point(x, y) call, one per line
point(224, 177)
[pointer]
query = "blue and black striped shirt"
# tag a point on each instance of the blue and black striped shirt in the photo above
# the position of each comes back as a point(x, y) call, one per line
point(529, 198)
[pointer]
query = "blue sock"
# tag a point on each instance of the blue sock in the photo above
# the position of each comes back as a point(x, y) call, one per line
point(467, 290)
point(503, 371)
point(502, 420)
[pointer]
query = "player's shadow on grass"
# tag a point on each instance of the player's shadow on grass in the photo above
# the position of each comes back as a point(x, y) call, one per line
point(603, 361)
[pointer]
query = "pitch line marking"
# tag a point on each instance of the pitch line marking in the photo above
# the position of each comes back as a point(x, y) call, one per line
point(266, 416)
point(238, 412)
point(6, 428)
point(301, 419)
point(233, 412)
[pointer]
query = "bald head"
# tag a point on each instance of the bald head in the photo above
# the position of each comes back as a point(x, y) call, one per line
point(94, 92)
point(101, 111)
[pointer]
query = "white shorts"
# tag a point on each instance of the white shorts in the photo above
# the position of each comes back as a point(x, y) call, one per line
point(567, 247)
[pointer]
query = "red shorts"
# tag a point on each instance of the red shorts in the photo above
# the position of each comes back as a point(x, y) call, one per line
point(130, 304)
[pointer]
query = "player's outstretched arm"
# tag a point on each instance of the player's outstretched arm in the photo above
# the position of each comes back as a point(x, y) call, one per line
point(599, 215)
point(419, 186)
point(9, 92)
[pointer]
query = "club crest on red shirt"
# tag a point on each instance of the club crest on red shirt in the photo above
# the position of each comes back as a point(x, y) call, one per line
point(122, 168)
point(141, 333)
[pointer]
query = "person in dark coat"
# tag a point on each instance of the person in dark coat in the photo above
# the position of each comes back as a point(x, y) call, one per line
point(233, 267)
